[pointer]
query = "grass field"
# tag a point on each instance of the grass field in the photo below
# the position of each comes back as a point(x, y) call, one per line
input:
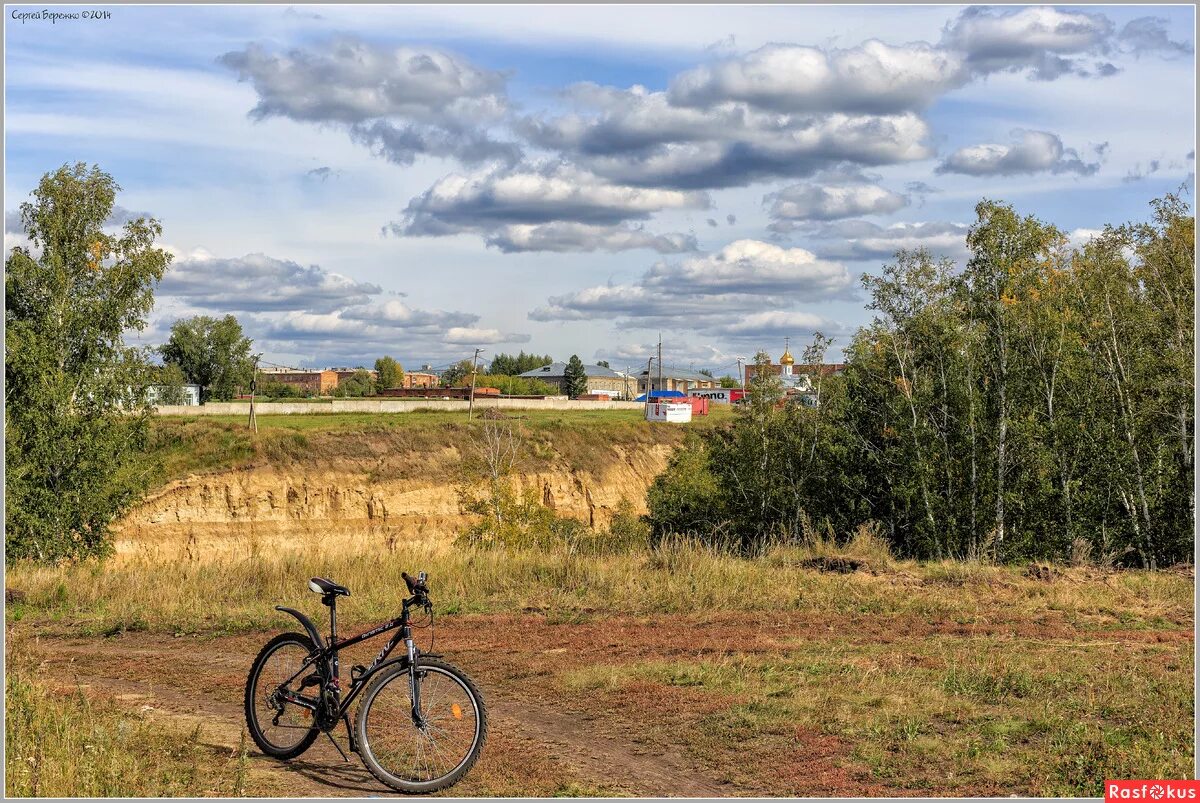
point(182, 446)
point(764, 676)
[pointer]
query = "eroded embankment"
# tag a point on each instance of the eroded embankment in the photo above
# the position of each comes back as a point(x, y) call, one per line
point(354, 488)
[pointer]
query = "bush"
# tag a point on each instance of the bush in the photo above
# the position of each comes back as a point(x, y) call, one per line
point(684, 499)
point(280, 390)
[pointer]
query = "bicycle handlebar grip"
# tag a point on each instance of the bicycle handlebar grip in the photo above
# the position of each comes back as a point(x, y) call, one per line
point(415, 586)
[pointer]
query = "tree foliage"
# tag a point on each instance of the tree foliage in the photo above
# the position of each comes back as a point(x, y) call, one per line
point(213, 353)
point(76, 401)
point(390, 374)
point(574, 378)
point(1037, 400)
point(519, 385)
point(357, 385)
point(509, 365)
point(458, 374)
point(168, 381)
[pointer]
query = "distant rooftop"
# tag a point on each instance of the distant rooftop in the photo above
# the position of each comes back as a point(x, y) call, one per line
point(671, 372)
point(557, 369)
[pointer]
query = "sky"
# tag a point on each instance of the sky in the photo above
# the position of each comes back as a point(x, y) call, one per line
point(422, 181)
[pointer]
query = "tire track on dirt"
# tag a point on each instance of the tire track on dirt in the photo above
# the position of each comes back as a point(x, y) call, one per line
point(191, 683)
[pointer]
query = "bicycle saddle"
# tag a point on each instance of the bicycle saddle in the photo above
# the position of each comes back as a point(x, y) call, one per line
point(319, 585)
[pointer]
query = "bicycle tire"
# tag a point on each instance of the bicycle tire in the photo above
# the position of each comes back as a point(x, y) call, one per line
point(364, 713)
point(252, 723)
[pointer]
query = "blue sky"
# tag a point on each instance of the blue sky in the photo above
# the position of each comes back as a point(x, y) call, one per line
point(424, 180)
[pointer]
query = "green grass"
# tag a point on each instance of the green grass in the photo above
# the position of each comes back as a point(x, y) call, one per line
point(944, 715)
point(585, 439)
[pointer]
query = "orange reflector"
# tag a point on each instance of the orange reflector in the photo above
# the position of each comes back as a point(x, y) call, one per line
point(454, 709)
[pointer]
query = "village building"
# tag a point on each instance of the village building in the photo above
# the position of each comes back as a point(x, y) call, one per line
point(796, 379)
point(419, 379)
point(313, 383)
point(600, 380)
point(674, 379)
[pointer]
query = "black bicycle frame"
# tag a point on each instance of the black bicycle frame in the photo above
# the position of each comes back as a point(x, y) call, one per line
point(328, 658)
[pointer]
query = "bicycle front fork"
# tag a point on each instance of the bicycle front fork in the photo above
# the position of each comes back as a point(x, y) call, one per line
point(413, 683)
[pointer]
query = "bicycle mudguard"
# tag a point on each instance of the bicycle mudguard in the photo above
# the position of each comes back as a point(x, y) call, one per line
point(309, 627)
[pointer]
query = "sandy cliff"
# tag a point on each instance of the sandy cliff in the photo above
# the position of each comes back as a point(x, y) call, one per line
point(345, 502)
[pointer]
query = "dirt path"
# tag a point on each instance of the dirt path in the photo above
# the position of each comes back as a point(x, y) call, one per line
point(573, 710)
point(192, 682)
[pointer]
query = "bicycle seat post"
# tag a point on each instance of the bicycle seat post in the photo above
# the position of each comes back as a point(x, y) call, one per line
point(331, 601)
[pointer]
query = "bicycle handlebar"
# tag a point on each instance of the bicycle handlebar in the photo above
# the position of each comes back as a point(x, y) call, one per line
point(416, 586)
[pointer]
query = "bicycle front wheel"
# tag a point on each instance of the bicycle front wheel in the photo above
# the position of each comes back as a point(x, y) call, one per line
point(433, 750)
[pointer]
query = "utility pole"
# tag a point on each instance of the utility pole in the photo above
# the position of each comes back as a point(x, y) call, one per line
point(627, 374)
point(474, 369)
point(741, 373)
point(660, 375)
point(649, 382)
point(253, 423)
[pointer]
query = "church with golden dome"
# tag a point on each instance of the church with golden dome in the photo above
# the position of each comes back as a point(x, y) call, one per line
point(796, 379)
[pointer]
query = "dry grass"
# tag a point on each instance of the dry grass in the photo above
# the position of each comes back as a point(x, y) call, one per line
point(945, 678)
point(71, 744)
point(238, 594)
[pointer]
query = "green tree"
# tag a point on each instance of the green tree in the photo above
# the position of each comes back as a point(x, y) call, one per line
point(574, 378)
point(458, 374)
point(213, 353)
point(519, 386)
point(168, 384)
point(280, 390)
point(76, 407)
point(359, 384)
point(390, 373)
point(1037, 404)
point(730, 382)
point(508, 365)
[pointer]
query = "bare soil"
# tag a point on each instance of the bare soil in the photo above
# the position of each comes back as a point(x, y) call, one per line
point(546, 737)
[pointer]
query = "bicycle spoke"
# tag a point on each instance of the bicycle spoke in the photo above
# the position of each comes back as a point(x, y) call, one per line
point(283, 724)
point(413, 754)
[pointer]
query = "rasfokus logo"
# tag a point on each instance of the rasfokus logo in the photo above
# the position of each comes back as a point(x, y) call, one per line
point(1151, 790)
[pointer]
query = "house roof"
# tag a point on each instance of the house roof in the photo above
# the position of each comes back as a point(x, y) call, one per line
point(557, 369)
point(670, 372)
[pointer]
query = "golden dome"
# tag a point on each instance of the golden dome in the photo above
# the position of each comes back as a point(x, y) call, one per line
point(787, 358)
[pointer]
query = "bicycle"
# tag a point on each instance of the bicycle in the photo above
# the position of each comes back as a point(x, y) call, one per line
point(421, 724)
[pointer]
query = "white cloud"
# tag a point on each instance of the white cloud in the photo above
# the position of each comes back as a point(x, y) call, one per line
point(402, 101)
point(861, 240)
point(257, 282)
point(831, 201)
point(1031, 152)
point(555, 207)
point(703, 293)
point(873, 77)
point(1040, 39)
point(471, 336)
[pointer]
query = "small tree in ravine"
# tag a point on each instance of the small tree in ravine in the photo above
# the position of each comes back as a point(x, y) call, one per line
point(390, 374)
point(76, 402)
point(574, 377)
point(213, 354)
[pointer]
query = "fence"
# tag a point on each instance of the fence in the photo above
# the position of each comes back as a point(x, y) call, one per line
point(393, 406)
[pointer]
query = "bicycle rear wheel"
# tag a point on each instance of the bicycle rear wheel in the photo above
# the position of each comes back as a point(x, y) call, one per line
point(421, 758)
point(281, 730)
